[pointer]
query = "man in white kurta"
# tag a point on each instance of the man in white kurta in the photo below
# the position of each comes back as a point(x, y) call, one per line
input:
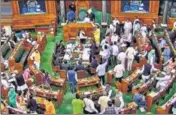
point(144, 31)
point(115, 22)
point(127, 27)
point(130, 53)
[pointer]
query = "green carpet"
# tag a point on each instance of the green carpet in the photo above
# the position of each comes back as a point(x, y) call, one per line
point(66, 106)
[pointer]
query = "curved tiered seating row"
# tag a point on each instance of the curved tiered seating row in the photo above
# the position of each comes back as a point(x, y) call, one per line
point(164, 109)
point(124, 85)
point(19, 56)
point(153, 97)
point(46, 93)
point(144, 87)
point(58, 82)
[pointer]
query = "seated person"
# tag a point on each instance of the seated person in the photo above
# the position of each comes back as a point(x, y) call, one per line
point(163, 79)
point(71, 16)
point(168, 66)
point(65, 66)
point(139, 99)
point(91, 15)
point(87, 18)
point(46, 79)
point(79, 66)
point(82, 37)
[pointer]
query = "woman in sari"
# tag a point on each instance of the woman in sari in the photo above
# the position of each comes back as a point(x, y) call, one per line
point(12, 97)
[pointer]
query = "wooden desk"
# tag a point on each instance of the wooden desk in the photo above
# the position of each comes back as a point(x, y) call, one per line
point(91, 81)
point(12, 59)
point(57, 95)
point(71, 30)
point(131, 108)
point(154, 96)
point(129, 80)
point(164, 109)
point(143, 88)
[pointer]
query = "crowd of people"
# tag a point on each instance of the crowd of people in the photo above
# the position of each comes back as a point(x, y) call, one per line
point(117, 51)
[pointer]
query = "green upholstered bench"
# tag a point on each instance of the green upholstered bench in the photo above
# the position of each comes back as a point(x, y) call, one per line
point(24, 56)
point(6, 51)
point(21, 55)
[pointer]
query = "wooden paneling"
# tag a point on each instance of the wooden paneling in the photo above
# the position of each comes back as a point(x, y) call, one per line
point(82, 4)
point(144, 17)
point(30, 21)
point(97, 4)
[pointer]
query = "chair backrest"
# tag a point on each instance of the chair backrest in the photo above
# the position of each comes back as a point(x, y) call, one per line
point(63, 74)
point(81, 74)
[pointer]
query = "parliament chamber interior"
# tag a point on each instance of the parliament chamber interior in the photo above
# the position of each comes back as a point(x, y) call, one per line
point(88, 56)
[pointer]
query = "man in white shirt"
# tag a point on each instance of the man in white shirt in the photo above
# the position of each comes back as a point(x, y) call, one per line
point(103, 101)
point(136, 25)
point(115, 22)
point(144, 32)
point(127, 27)
point(89, 106)
point(121, 57)
point(101, 71)
point(115, 52)
point(119, 70)
point(162, 80)
point(114, 38)
point(130, 53)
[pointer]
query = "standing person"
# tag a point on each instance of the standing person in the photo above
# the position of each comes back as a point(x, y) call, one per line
point(121, 57)
point(97, 35)
point(32, 104)
point(127, 27)
point(146, 71)
point(130, 53)
point(174, 108)
point(36, 57)
point(166, 53)
point(136, 26)
point(115, 21)
point(89, 106)
point(103, 100)
point(115, 52)
point(72, 79)
point(101, 71)
point(12, 97)
point(78, 105)
point(119, 70)
point(72, 7)
point(20, 82)
point(144, 32)
point(151, 57)
point(82, 37)
point(110, 109)
point(26, 74)
point(118, 99)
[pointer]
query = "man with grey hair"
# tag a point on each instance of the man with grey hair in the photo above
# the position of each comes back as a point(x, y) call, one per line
point(103, 100)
